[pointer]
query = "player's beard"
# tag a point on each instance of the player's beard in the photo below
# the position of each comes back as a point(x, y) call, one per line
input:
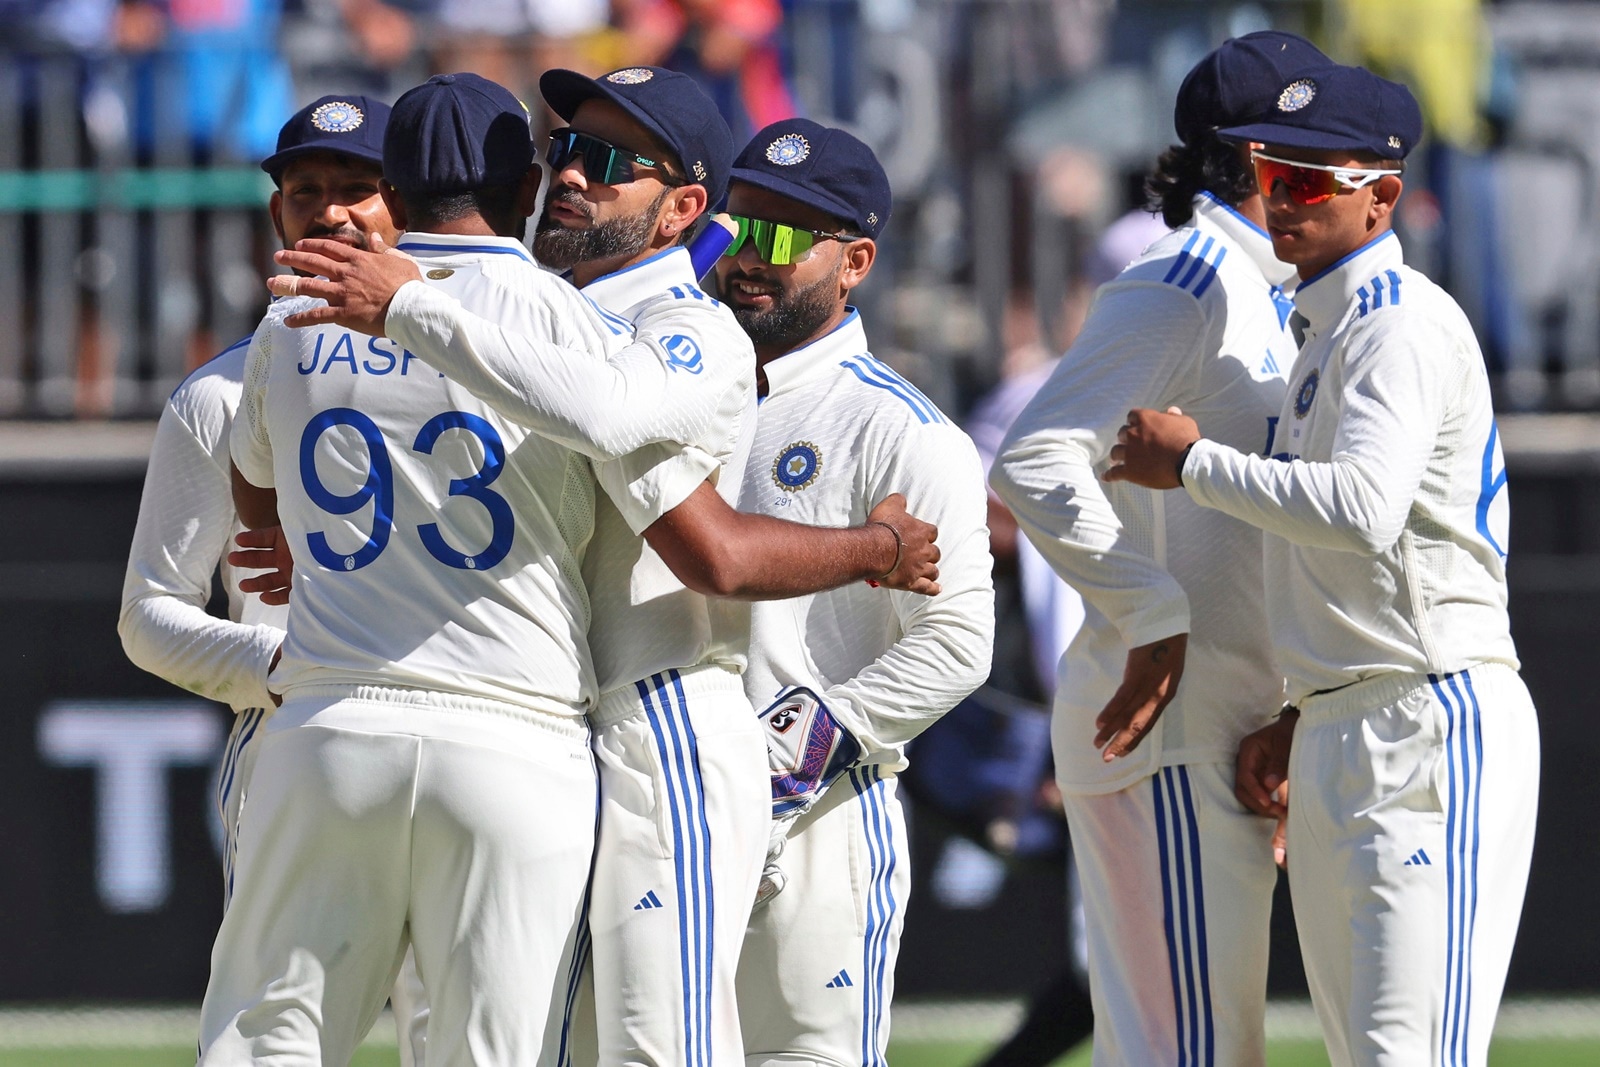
point(795, 315)
point(348, 233)
point(561, 248)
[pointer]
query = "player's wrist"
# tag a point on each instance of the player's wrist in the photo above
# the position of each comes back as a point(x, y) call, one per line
point(1183, 458)
point(899, 547)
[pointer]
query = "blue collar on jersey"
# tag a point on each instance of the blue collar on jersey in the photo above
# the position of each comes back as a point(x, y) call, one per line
point(1323, 297)
point(429, 245)
point(845, 341)
point(623, 290)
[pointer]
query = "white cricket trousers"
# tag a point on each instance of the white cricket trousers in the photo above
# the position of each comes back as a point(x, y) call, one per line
point(685, 802)
point(387, 818)
point(817, 975)
point(1177, 880)
point(1411, 818)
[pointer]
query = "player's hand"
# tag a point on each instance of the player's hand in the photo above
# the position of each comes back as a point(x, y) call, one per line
point(357, 284)
point(1261, 773)
point(1149, 682)
point(266, 550)
point(915, 569)
point(1150, 448)
point(1280, 832)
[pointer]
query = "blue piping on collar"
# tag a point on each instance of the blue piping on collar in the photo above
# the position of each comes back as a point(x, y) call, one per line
point(1331, 267)
point(1230, 209)
point(624, 270)
point(494, 250)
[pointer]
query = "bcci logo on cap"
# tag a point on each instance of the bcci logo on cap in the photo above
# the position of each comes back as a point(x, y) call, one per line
point(788, 150)
point(797, 466)
point(1297, 95)
point(631, 76)
point(337, 117)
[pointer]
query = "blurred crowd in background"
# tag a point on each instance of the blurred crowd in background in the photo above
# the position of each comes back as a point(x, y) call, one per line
point(1016, 133)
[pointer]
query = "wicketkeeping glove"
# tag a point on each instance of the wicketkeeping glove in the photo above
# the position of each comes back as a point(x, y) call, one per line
point(806, 749)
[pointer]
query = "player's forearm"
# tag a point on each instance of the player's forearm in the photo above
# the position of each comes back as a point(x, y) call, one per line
point(214, 658)
point(603, 408)
point(1343, 505)
point(1062, 509)
point(256, 506)
point(756, 557)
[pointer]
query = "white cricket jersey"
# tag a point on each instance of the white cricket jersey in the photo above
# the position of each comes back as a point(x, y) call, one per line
point(645, 620)
point(1198, 321)
point(184, 534)
point(437, 544)
point(837, 432)
point(1385, 494)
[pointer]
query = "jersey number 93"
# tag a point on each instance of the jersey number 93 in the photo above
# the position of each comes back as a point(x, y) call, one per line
point(379, 489)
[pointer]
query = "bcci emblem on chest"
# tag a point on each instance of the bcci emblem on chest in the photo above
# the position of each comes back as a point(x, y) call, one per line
point(797, 466)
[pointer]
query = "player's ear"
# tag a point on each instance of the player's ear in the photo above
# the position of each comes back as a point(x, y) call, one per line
point(275, 209)
point(858, 256)
point(687, 203)
point(1385, 195)
point(396, 206)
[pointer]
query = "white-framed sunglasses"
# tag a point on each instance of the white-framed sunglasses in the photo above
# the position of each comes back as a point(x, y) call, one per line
point(1311, 183)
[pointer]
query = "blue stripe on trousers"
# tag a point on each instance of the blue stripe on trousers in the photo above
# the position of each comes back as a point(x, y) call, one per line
point(1464, 753)
point(708, 922)
point(678, 820)
point(1188, 956)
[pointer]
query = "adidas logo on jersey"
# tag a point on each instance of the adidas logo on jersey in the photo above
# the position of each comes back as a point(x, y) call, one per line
point(1418, 858)
point(840, 981)
point(649, 902)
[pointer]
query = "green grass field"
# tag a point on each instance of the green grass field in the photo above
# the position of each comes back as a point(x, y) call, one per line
point(1531, 1033)
point(1516, 1053)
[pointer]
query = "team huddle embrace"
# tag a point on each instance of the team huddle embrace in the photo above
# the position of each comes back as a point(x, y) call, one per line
point(585, 600)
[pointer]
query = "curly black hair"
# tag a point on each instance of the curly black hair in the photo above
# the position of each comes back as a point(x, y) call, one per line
point(1184, 170)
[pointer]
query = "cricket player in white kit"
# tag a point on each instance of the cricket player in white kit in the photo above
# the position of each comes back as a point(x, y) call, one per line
point(837, 431)
point(1177, 875)
point(1415, 756)
point(683, 826)
point(427, 780)
point(327, 172)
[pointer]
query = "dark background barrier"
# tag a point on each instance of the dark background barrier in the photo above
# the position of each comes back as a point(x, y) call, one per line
point(110, 883)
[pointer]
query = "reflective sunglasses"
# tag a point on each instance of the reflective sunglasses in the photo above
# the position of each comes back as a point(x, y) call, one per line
point(603, 162)
point(1310, 183)
point(776, 242)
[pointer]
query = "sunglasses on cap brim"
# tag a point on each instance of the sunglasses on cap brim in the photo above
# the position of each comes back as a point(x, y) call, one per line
point(603, 162)
point(1311, 183)
point(778, 243)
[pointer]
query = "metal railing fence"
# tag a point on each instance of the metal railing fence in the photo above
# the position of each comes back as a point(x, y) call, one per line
point(130, 249)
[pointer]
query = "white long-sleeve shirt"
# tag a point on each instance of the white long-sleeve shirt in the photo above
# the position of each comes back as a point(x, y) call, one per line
point(438, 546)
point(659, 417)
point(644, 619)
point(184, 533)
point(837, 432)
point(1384, 499)
point(651, 390)
point(1197, 321)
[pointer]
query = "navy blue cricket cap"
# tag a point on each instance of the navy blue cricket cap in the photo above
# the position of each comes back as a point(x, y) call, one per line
point(1338, 107)
point(457, 133)
point(352, 125)
point(672, 106)
point(821, 167)
point(1239, 81)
